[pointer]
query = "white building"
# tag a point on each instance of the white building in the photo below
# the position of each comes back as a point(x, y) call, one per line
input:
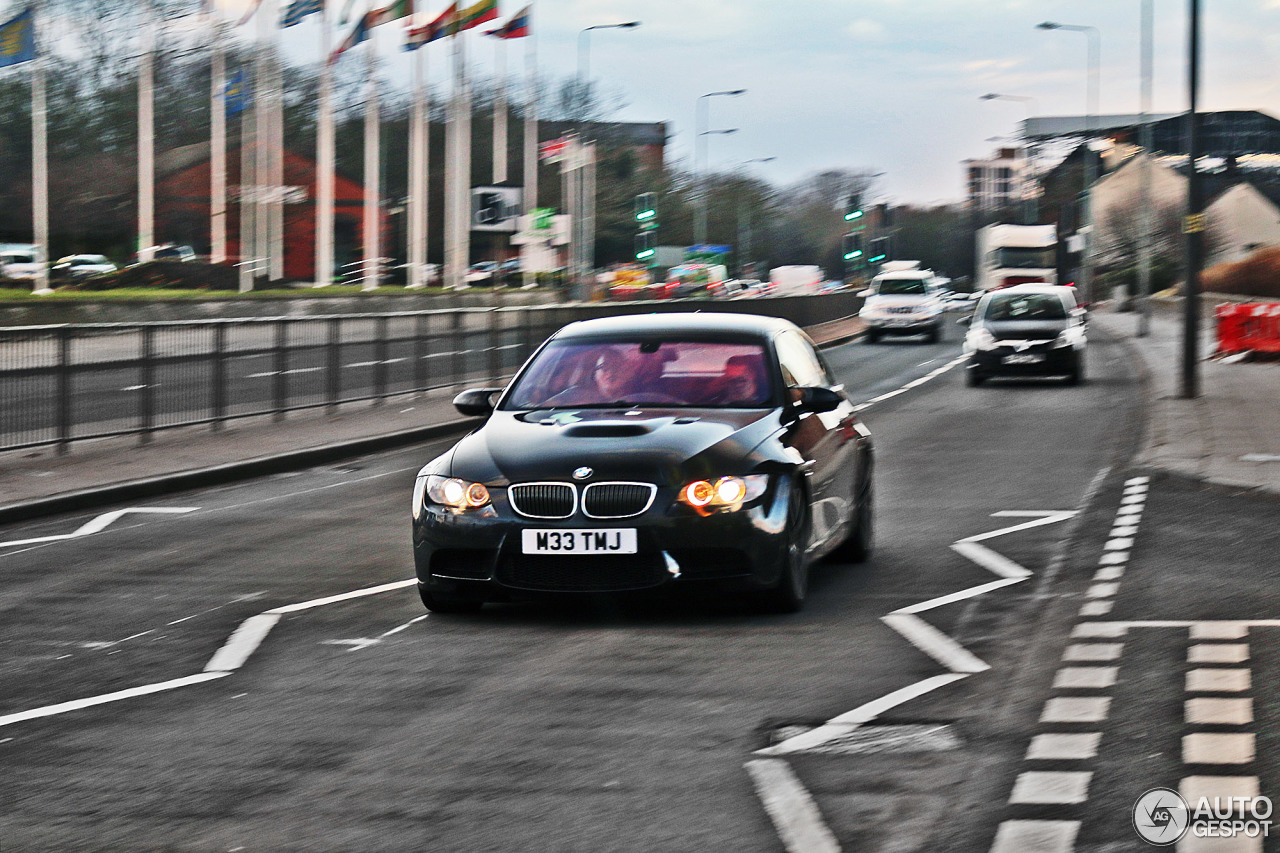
point(1241, 221)
point(1003, 180)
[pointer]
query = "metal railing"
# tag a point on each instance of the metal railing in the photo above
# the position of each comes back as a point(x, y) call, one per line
point(66, 383)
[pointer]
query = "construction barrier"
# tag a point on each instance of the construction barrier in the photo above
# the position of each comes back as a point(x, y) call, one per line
point(1248, 327)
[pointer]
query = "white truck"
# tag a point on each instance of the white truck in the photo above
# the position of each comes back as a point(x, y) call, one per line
point(795, 280)
point(1015, 254)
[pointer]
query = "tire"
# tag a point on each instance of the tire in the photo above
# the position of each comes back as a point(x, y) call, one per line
point(873, 336)
point(933, 335)
point(444, 604)
point(1076, 376)
point(859, 542)
point(788, 594)
point(973, 377)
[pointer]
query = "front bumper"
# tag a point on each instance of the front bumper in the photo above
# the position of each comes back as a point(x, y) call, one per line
point(479, 554)
point(904, 324)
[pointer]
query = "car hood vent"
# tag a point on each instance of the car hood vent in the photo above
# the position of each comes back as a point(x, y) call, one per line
point(608, 429)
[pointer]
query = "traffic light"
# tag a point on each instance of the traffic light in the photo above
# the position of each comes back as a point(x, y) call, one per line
point(853, 247)
point(853, 211)
point(880, 250)
point(644, 246)
point(647, 211)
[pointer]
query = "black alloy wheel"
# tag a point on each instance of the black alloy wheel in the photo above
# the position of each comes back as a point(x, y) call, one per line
point(860, 540)
point(788, 594)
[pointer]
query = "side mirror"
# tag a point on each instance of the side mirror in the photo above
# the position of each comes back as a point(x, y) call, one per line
point(476, 402)
point(964, 321)
point(866, 293)
point(818, 399)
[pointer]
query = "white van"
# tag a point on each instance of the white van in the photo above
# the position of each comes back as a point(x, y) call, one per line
point(20, 261)
point(903, 300)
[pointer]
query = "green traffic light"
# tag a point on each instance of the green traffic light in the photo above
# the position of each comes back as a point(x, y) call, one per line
point(647, 253)
point(853, 214)
point(646, 214)
point(848, 256)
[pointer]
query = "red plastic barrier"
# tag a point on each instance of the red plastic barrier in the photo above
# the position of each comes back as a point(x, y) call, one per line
point(1248, 327)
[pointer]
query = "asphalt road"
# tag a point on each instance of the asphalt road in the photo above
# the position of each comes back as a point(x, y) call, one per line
point(361, 723)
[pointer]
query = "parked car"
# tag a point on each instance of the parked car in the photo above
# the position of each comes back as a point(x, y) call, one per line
point(649, 452)
point(481, 272)
point(20, 262)
point(79, 267)
point(1026, 329)
point(173, 252)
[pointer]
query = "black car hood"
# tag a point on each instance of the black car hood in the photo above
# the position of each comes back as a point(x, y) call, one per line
point(658, 446)
point(1025, 330)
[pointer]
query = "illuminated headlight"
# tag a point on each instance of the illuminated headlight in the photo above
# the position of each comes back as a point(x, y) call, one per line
point(451, 492)
point(726, 494)
point(981, 339)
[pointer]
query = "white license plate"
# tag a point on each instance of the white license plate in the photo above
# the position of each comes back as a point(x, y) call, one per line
point(613, 540)
point(1024, 358)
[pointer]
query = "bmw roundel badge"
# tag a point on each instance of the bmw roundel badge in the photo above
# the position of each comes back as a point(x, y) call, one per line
point(582, 473)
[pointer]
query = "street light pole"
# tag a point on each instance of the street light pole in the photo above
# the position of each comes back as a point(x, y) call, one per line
point(1145, 225)
point(1092, 69)
point(1031, 198)
point(699, 154)
point(1194, 225)
point(744, 223)
point(582, 200)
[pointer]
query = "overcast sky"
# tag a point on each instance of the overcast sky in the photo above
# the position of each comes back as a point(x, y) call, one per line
point(889, 86)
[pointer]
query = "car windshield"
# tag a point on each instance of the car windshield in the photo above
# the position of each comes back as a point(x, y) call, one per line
point(896, 286)
point(87, 260)
point(1025, 306)
point(605, 374)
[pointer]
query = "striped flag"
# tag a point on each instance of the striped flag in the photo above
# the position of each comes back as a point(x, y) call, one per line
point(446, 24)
point(394, 11)
point(298, 10)
point(18, 39)
point(478, 13)
point(516, 28)
point(358, 34)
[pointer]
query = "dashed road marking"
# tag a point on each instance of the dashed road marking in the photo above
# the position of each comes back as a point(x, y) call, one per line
point(1051, 787)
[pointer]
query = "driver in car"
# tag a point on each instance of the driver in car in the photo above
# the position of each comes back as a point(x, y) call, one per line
point(608, 382)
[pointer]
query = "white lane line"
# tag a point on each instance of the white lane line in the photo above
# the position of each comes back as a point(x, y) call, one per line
point(915, 383)
point(234, 652)
point(1085, 677)
point(997, 564)
point(267, 373)
point(1036, 836)
point(1051, 787)
point(794, 813)
point(971, 592)
point(847, 722)
point(934, 643)
point(251, 596)
point(1076, 709)
point(1093, 652)
point(100, 523)
point(1057, 746)
point(358, 643)
point(132, 692)
point(1217, 748)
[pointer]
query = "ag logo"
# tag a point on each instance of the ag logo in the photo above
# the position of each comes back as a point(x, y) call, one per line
point(1161, 816)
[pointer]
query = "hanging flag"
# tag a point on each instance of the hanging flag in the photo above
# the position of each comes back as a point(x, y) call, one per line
point(477, 13)
point(18, 39)
point(516, 28)
point(394, 11)
point(238, 95)
point(298, 10)
point(444, 25)
point(554, 150)
point(358, 34)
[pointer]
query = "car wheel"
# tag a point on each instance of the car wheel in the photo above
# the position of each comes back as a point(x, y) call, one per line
point(1076, 376)
point(788, 594)
point(857, 545)
point(444, 604)
point(873, 335)
point(933, 335)
point(973, 377)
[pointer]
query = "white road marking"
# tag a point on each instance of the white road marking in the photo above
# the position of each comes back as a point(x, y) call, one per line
point(1094, 609)
point(251, 596)
point(794, 813)
point(1076, 709)
point(915, 383)
point(234, 652)
point(132, 692)
point(1218, 680)
point(1056, 787)
point(971, 592)
point(1216, 748)
point(997, 564)
point(1093, 652)
point(934, 643)
point(100, 523)
point(267, 373)
point(1218, 712)
point(359, 643)
point(1064, 747)
point(1193, 788)
point(1218, 653)
point(1036, 836)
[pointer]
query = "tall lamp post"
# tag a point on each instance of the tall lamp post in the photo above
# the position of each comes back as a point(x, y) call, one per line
point(1094, 37)
point(582, 187)
point(1031, 196)
point(744, 223)
point(699, 154)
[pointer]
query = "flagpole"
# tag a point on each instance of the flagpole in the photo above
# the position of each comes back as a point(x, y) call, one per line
point(531, 120)
point(464, 162)
point(417, 177)
point(218, 144)
point(371, 170)
point(275, 151)
point(324, 160)
point(261, 139)
point(500, 112)
point(454, 265)
point(40, 166)
point(247, 196)
point(146, 142)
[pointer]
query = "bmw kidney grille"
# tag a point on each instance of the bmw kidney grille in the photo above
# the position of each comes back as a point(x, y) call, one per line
point(599, 500)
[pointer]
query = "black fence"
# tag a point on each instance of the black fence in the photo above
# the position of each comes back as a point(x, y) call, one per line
point(60, 384)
